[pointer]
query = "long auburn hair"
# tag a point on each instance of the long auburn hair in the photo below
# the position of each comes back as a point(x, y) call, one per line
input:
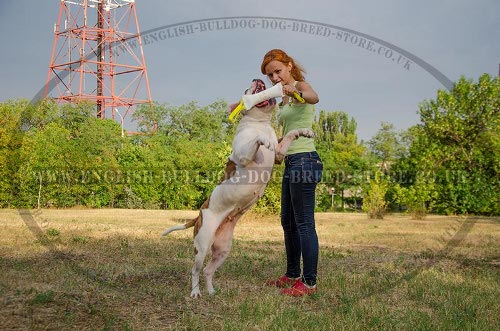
point(279, 55)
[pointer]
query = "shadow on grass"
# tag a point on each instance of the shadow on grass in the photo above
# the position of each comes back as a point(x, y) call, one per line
point(120, 270)
point(252, 256)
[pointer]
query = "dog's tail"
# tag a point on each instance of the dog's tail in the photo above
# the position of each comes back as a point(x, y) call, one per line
point(184, 226)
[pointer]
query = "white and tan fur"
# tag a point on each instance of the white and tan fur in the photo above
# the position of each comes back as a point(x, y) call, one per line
point(255, 150)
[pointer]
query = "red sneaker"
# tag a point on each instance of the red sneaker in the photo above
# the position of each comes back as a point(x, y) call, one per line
point(283, 281)
point(299, 289)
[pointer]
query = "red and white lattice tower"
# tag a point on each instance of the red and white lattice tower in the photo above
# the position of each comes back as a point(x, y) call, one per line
point(97, 56)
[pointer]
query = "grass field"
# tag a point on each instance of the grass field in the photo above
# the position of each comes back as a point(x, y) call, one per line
point(111, 270)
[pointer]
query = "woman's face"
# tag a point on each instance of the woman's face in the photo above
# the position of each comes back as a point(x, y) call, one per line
point(277, 72)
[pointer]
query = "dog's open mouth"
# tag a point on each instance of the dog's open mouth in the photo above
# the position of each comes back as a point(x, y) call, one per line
point(258, 86)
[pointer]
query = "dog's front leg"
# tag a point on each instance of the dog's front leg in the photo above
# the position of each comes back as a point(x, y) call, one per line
point(244, 152)
point(287, 141)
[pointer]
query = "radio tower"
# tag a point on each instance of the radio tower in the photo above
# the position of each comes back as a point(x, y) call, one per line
point(97, 56)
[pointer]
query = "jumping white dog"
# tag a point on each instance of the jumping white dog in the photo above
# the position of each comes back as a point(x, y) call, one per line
point(255, 151)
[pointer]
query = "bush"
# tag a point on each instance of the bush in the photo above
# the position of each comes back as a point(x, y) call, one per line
point(417, 198)
point(374, 203)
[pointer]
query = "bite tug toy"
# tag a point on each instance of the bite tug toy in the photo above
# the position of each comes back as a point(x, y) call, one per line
point(248, 101)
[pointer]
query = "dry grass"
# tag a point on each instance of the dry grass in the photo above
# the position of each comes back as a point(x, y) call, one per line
point(110, 269)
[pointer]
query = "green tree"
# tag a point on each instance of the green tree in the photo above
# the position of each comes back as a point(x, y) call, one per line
point(386, 145)
point(18, 119)
point(43, 162)
point(458, 144)
point(331, 124)
point(207, 123)
point(69, 160)
point(344, 159)
point(11, 138)
point(188, 151)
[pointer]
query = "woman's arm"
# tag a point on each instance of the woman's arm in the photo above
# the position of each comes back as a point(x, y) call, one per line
point(309, 95)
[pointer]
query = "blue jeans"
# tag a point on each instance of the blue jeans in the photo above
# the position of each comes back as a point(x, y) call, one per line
point(303, 171)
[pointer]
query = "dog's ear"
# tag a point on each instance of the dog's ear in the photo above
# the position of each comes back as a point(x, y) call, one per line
point(232, 106)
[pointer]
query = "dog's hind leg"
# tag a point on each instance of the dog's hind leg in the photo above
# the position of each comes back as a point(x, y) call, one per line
point(220, 249)
point(202, 242)
point(223, 241)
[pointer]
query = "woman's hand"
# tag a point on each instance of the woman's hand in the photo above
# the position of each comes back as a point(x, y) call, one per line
point(289, 90)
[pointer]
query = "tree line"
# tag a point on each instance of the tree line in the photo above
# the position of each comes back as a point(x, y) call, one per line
point(63, 156)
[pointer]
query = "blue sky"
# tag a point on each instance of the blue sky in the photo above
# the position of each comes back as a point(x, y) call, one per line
point(456, 37)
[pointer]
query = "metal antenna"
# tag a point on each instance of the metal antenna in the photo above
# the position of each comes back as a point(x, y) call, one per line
point(97, 56)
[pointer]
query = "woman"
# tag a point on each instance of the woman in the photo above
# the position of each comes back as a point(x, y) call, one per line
point(303, 171)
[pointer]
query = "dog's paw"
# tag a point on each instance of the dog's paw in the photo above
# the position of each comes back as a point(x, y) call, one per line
point(195, 294)
point(306, 133)
point(267, 143)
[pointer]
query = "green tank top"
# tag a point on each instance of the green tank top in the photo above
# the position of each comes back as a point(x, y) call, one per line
point(297, 116)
